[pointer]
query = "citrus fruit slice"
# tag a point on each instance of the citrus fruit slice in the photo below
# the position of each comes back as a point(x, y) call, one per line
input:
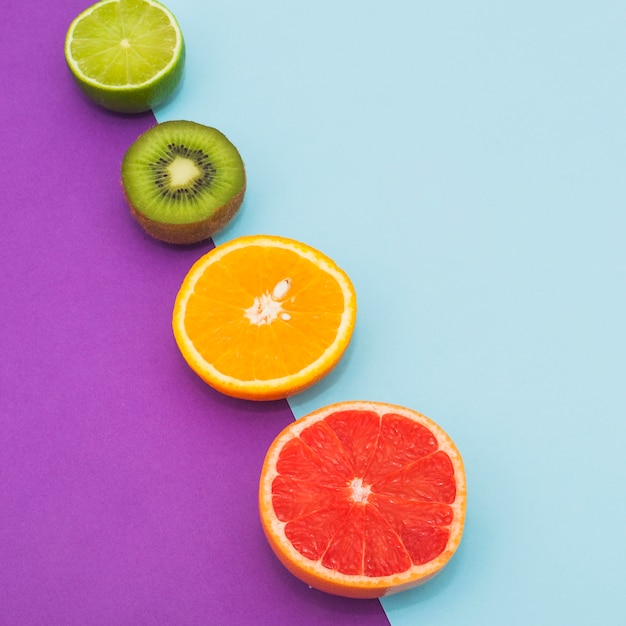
point(126, 55)
point(363, 499)
point(263, 317)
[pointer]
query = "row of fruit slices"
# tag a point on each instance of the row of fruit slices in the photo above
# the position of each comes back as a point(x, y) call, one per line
point(359, 499)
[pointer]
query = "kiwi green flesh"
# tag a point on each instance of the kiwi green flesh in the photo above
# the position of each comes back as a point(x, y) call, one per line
point(192, 232)
point(183, 176)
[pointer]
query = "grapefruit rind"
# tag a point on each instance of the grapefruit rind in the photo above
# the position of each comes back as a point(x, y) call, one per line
point(272, 388)
point(357, 586)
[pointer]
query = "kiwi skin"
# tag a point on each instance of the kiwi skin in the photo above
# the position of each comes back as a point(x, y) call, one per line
point(194, 232)
point(138, 163)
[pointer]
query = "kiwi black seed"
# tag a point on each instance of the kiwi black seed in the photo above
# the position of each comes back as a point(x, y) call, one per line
point(183, 181)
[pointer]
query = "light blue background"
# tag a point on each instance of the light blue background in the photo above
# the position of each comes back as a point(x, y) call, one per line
point(464, 163)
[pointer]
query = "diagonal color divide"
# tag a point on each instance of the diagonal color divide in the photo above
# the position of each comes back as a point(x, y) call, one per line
point(128, 489)
point(464, 163)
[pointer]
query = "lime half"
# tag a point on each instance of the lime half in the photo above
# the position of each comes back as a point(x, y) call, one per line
point(126, 55)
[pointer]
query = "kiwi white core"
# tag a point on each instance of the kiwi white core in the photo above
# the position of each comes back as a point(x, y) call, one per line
point(182, 171)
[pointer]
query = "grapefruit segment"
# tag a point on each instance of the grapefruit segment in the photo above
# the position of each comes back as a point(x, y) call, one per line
point(384, 552)
point(430, 478)
point(312, 534)
point(293, 499)
point(358, 436)
point(399, 442)
point(363, 499)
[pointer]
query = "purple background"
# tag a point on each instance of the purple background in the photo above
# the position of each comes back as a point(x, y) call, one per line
point(127, 486)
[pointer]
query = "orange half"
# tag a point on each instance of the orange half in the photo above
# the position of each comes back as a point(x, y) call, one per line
point(264, 317)
point(363, 499)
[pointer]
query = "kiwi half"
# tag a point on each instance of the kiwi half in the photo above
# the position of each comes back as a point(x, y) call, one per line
point(183, 181)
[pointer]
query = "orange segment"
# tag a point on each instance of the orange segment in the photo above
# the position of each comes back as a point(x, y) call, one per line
point(263, 317)
point(363, 499)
